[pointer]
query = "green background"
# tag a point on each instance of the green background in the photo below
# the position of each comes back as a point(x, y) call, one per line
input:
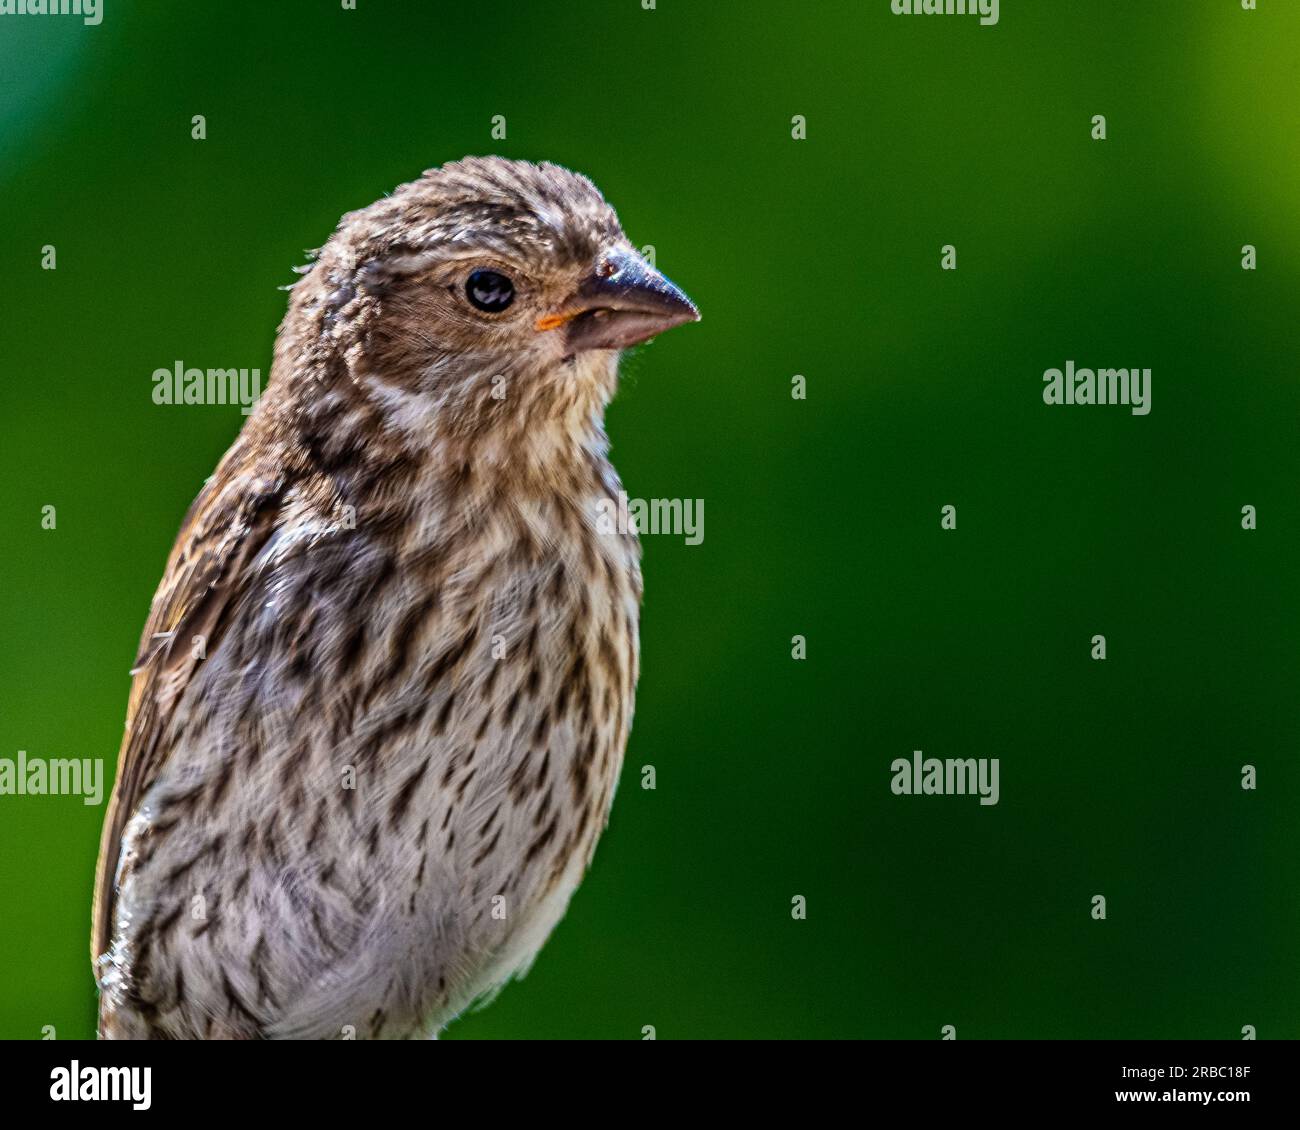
point(816, 257)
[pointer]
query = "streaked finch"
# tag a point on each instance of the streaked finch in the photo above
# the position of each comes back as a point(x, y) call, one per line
point(386, 682)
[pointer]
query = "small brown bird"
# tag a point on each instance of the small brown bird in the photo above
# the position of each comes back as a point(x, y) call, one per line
point(386, 682)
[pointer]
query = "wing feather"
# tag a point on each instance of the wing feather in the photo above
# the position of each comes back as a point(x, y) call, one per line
point(209, 570)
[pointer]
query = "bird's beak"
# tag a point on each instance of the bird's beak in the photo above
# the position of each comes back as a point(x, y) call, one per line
point(624, 301)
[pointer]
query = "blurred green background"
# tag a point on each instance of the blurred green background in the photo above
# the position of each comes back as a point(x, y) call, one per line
point(817, 257)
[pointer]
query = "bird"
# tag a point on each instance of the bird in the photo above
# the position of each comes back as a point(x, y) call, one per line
point(384, 689)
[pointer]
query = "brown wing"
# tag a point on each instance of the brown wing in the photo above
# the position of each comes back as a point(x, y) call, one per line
point(208, 570)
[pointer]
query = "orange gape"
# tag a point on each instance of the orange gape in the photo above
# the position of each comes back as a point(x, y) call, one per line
point(554, 321)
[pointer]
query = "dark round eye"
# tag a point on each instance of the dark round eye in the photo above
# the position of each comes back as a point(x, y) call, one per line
point(489, 291)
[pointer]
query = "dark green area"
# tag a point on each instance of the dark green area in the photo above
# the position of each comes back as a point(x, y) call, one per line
point(820, 258)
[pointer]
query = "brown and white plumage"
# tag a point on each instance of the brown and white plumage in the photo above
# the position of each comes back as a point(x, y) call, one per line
point(385, 685)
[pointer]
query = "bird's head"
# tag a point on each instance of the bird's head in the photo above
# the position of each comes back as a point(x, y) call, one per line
point(487, 296)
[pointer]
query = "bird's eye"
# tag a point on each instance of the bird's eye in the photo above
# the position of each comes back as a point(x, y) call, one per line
point(489, 291)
